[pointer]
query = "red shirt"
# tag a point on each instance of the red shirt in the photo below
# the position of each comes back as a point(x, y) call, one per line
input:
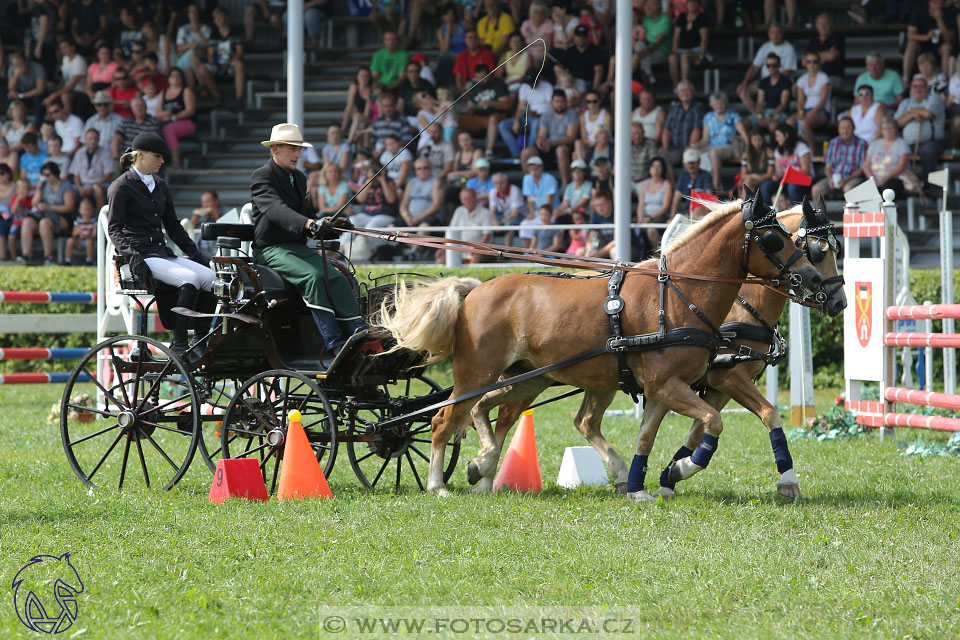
point(120, 96)
point(466, 63)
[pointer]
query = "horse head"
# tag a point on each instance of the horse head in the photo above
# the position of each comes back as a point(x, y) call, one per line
point(776, 244)
point(822, 247)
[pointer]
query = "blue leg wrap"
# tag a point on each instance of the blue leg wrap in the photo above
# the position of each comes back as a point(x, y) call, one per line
point(638, 474)
point(682, 452)
point(781, 452)
point(701, 457)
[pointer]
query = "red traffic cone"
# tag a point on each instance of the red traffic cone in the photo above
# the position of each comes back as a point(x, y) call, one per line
point(300, 474)
point(237, 478)
point(520, 469)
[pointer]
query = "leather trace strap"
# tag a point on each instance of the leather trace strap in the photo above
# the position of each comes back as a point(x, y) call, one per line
point(746, 331)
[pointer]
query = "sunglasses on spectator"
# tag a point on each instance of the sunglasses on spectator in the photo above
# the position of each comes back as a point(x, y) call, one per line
point(772, 65)
point(864, 93)
point(593, 102)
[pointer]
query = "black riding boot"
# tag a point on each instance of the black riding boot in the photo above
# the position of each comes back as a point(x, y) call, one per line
point(186, 297)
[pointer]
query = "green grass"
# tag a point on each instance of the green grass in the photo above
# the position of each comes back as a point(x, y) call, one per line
point(870, 552)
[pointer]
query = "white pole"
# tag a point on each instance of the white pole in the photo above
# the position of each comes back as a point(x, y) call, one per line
point(772, 373)
point(295, 60)
point(623, 92)
point(801, 366)
point(946, 283)
point(101, 295)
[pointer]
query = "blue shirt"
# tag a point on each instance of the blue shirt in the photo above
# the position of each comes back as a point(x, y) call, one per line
point(31, 165)
point(722, 132)
point(482, 188)
point(545, 192)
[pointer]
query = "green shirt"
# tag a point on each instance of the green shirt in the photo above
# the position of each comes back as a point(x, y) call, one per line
point(659, 27)
point(389, 65)
point(886, 89)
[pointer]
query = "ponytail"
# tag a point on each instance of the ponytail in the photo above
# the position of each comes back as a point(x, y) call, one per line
point(127, 159)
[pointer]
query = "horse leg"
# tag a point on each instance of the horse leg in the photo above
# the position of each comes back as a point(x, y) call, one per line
point(588, 421)
point(653, 414)
point(715, 399)
point(743, 390)
point(446, 424)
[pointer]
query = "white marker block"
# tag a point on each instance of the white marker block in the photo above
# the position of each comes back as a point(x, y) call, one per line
point(581, 465)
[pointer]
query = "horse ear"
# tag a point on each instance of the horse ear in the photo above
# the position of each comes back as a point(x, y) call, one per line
point(821, 208)
point(758, 203)
point(747, 194)
point(808, 212)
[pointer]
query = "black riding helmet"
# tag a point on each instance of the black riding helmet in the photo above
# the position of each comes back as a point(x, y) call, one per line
point(150, 142)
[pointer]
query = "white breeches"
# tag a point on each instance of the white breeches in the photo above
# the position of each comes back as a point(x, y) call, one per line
point(180, 271)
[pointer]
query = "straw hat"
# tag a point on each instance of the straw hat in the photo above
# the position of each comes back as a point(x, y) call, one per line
point(286, 133)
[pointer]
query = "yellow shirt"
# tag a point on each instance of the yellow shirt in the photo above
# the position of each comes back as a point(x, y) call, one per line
point(493, 32)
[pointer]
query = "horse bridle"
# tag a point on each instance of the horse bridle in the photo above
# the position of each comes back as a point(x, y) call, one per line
point(769, 242)
point(815, 254)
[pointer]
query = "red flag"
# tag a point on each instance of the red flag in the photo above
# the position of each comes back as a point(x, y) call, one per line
point(792, 176)
point(700, 195)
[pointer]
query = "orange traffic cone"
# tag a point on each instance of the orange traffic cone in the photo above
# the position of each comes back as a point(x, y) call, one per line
point(300, 475)
point(520, 469)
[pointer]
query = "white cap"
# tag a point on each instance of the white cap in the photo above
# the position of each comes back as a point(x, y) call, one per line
point(535, 160)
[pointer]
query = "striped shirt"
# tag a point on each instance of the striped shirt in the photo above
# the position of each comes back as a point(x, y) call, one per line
point(845, 157)
point(682, 123)
point(130, 129)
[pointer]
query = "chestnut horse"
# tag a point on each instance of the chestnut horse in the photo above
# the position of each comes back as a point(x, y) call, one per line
point(737, 383)
point(519, 322)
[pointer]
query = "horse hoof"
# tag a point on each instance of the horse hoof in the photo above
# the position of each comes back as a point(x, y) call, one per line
point(485, 486)
point(442, 493)
point(666, 492)
point(621, 488)
point(789, 485)
point(473, 473)
point(640, 497)
point(682, 469)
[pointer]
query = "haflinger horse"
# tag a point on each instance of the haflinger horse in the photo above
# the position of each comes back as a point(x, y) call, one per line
point(752, 320)
point(520, 322)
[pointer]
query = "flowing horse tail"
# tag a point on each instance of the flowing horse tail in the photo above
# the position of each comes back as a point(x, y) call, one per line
point(423, 316)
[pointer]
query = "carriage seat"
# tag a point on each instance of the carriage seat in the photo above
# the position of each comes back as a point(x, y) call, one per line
point(214, 230)
point(273, 284)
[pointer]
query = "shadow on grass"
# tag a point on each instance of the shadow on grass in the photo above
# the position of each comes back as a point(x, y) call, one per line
point(839, 497)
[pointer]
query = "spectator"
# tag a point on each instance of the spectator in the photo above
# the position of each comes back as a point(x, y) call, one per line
point(68, 126)
point(691, 178)
point(556, 134)
point(147, 69)
point(7, 192)
point(336, 151)
point(269, 10)
point(757, 162)
point(361, 100)
point(54, 204)
point(770, 9)
point(642, 152)
point(886, 84)
point(546, 239)
point(47, 131)
point(41, 41)
point(682, 128)
point(655, 48)
point(506, 204)
point(388, 63)
point(398, 161)
point(936, 81)
point(578, 237)
point(587, 62)
point(193, 40)
point(388, 14)
point(953, 105)
point(593, 21)
point(654, 202)
point(563, 27)
point(773, 97)
point(100, 74)
point(411, 85)
point(843, 163)
point(10, 158)
point(151, 97)
point(431, 108)
point(887, 157)
point(126, 34)
point(439, 152)
point(157, 45)
point(495, 27)
point(526, 122)
point(788, 152)
point(88, 23)
point(928, 31)
point(105, 121)
point(328, 192)
point(20, 206)
point(651, 115)
point(603, 149)
point(12, 131)
point(471, 214)
point(56, 155)
point(538, 26)
point(178, 107)
point(122, 92)
point(32, 158)
point(313, 20)
point(725, 135)
point(566, 81)
point(422, 202)
point(866, 114)
point(481, 183)
point(451, 39)
point(747, 90)
point(389, 121)
point(225, 56)
point(379, 202)
point(139, 121)
point(691, 37)
point(489, 102)
point(92, 169)
point(600, 243)
point(73, 71)
point(602, 175)
point(464, 161)
point(595, 116)
point(576, 195)
point(210, 211)
point(469, 58)
point(813, 99)
point(27, 83)
point(425, 71)
point(513, 69)
point(831, 48)
point(539, 187)
point(415, 12)
point(84, 231)
point(921, 118)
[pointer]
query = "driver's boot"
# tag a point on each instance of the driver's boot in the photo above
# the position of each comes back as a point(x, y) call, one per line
point(186, 298)
point(336, 344)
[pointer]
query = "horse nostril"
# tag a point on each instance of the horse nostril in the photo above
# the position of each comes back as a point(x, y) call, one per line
point(817, 280)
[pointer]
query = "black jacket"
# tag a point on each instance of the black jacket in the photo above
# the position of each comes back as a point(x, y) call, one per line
point(138, 217)
point(280, 209)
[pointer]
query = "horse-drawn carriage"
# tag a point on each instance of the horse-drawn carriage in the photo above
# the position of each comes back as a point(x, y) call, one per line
point(256, 358)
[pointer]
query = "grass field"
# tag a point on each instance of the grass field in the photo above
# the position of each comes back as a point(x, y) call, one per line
point(870, 552)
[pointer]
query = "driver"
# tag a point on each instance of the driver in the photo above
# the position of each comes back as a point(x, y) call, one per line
point(284, 219)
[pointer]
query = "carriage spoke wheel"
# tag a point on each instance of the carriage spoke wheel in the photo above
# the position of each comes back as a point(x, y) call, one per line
point(382, 459)
point(255, 423)
point(218, 396)
point(144, 418)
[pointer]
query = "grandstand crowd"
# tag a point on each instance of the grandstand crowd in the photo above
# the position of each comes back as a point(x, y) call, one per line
point(530, 144)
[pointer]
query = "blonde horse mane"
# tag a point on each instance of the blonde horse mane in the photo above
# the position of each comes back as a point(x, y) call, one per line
point(717, 211)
